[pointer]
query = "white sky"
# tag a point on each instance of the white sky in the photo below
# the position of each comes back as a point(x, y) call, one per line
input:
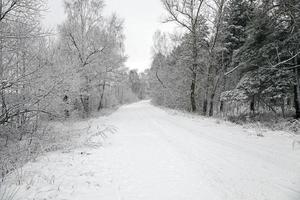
point(142, 19)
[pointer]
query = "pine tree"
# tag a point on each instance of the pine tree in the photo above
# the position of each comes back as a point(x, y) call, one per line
point(265, 58)
point(289, 15)
point(238, 15)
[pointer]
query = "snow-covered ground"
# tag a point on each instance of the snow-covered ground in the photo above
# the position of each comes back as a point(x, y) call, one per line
point(164, 155)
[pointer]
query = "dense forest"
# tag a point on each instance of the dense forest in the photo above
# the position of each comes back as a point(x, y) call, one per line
point(230, 58)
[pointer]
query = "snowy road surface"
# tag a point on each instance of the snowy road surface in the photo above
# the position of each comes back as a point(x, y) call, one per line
point(159, 155)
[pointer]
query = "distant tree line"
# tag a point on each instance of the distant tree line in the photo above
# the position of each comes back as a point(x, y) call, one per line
point(139, 84)
point(233, 57)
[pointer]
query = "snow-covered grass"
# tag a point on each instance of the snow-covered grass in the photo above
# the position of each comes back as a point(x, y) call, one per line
point(268, 121)
point(162, 154)
point(62, 136)
point(265, 121)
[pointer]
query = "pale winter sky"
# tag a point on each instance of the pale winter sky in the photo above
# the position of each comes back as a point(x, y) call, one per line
point(142, 19)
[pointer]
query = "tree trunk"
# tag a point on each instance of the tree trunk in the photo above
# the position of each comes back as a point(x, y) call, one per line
point(122, 96)
point(211, 108)
point(208, 80)
point(296, 100)
point(85, 104)
point(205, 102)
point(222, 103)
point(194, 72)
point(100, 106)
point(212, 96)
point(23, 89)
point(84, 97)
point(224, 80)
point(193, 87)
point(283, 108)
point(222, 107)
point(297, 93)
point(252, 105)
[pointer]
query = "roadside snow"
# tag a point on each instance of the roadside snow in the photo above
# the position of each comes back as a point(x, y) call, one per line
point(158, 155)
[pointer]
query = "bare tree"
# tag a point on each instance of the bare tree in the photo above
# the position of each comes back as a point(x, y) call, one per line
point(83, 24)
point(214, 72)
point(20, 60)
point(188, 14)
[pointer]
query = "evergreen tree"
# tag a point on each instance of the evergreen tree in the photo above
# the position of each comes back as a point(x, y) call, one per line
point(263, 59)
point(238, 16)
point(288, 16)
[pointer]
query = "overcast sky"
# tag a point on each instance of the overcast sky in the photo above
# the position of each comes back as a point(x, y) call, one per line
point(142, 19)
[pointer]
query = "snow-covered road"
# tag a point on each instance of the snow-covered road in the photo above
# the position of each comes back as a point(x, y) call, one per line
point(165, 155)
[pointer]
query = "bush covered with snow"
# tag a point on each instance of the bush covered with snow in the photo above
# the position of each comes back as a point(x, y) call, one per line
point(54, 136)
point(267, 120)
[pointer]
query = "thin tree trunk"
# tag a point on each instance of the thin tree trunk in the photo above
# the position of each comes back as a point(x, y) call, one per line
point(85, 104)
point(212, 96)
point(297, 93)
point(283, 108)
point(193, 87)
point(208, 80)
point(224, 80)
point(100, 106)
point(23, 87)
point(194, 72)
point(222, 106)
point(85, 99)
point(205, 102)
point(252, 105)
point(211, 108)
point(296, 104)
point(122, 96)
